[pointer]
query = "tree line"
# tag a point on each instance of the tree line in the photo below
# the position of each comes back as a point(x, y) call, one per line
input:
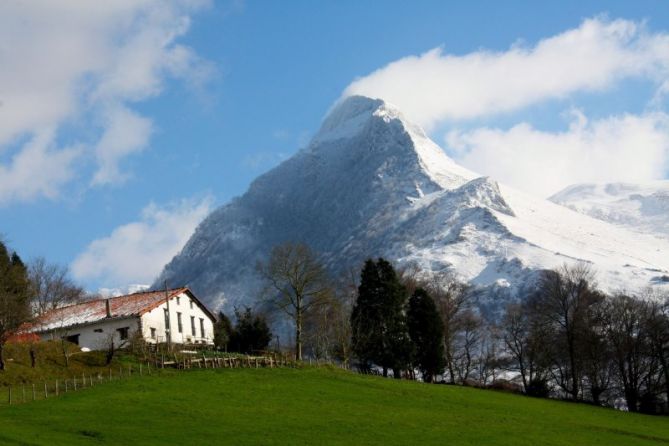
point(563, 338)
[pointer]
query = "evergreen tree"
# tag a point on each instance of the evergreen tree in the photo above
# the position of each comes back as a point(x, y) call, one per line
point(222, 331)
point(14, 296)
point(427, 331)
point(366, 316)
point(378, 321)
point(251, 333)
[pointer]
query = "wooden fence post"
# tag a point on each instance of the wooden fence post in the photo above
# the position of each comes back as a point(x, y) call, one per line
point(56, 387)
point(75, 383)
point(46, 392)
point(65, 386)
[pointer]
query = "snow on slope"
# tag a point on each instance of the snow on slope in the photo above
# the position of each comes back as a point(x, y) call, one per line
point(372, 184)
point(639, 207)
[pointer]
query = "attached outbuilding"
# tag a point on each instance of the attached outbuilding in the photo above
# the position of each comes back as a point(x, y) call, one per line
point(167, 316)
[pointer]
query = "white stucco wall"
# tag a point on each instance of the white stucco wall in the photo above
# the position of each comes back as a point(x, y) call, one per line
point(156, 319)
point(96, 336)
point(100, 339)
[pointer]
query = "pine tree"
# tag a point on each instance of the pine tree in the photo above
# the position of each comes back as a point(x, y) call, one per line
point(251, 334)
point(366, 316)
point(222, 331)
point(426, 331)
point(378, 321)
point(14, 296)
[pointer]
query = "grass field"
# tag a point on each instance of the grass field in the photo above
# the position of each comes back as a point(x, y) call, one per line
point(312, 406)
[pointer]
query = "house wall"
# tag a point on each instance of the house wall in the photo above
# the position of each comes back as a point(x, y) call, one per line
point(97, 340)
point(156, 319)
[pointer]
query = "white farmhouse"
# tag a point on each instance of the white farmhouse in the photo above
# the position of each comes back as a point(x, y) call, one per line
point(175, 316)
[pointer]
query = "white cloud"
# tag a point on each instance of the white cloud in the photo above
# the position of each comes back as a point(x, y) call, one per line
point(79, 63)
point(37, 170)
point(126, 132)
point(137, 251)
point(436, 86)
point(625, 148)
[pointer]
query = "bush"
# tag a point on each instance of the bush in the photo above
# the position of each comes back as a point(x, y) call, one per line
point(538, 388)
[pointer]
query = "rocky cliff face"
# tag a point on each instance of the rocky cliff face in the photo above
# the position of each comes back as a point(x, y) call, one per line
point(372, 184)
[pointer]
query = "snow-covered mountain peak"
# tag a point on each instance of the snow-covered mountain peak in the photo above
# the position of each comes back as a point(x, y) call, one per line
point(372, 184)
point(350, 116)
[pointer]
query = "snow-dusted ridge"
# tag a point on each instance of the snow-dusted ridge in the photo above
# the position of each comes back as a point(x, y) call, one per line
point(638, 207)
point(373, 184)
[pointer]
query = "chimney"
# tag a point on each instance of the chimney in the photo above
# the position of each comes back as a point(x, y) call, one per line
point(108, 307)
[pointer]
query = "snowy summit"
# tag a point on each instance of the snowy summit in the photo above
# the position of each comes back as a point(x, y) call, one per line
point(372, 184)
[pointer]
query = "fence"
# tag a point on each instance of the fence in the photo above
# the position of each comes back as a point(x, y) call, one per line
point(24, 393)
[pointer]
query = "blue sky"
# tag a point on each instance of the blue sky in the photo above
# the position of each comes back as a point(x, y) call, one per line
point(232, 88)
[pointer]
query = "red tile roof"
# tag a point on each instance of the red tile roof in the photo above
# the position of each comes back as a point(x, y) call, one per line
point(91, 311)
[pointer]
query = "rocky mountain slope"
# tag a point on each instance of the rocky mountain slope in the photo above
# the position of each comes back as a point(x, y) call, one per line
point(371, 184)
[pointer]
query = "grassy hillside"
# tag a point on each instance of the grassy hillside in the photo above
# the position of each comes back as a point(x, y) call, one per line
point(50, 363)
point(312, 406)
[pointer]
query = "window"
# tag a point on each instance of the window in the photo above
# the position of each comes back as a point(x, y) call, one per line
point(153, 333)
point(98, 330)
point(73, 339)
point(167, 321)
point(191, 304)
point(123, 333)
point(192, 325)
point(178, 300)
point(179, 325)
point(201, 328)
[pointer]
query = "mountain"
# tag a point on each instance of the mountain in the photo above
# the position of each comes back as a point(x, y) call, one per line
point(638, 207)
point(372, 184)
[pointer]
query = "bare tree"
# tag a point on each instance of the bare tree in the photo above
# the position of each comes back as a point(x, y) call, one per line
point(658, 336)
point(467, 342)
point(51, 286)
point(516, 335)
point(632, 349)
point(562, 304)
point(327, 328)
point(597, 355)
point(296, 284)
point(453, 300)
point(489, 358)
point(525, 340)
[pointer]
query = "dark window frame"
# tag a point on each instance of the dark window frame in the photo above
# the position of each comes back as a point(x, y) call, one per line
point(123, 333)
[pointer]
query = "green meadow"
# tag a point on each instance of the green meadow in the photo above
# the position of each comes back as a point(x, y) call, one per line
point(312, 406)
